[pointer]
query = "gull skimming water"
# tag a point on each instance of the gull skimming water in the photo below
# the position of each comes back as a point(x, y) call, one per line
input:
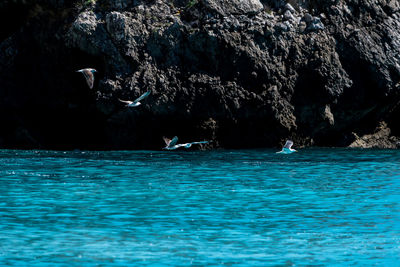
point(171, 144)
point(136, 102)
point(88, 73)
point(287, 148)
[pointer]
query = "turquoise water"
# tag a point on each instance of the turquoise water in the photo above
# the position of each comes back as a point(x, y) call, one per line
point(318, 207)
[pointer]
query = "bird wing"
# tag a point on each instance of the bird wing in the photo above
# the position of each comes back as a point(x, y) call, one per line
point(125, 101)
point(169, 142)
point(288, 144)
point(142, 96)
point(182, 145)
point(166, 140)
point(173, 141)
point(89, 77)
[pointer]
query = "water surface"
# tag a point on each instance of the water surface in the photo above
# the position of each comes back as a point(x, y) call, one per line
point(317, 207)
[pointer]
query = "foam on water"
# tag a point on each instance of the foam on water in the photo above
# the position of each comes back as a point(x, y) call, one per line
point(255, 207)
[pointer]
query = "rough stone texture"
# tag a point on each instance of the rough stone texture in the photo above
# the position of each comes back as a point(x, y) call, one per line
point(226, 7)
point(381, 138)
point(235, 72)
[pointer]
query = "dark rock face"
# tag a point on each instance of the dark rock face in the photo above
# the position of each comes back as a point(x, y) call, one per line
point(241, 73)
point(381, 138)
point(239, 7)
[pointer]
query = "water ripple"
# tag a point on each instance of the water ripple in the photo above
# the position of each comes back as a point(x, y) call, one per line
point(317, 207)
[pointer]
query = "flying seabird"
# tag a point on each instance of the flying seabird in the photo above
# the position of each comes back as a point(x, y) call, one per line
point(88, 73)
point(287, 148)
point(136, 102)
point(171, 144)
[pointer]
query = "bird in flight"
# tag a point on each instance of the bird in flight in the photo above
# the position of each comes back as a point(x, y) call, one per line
point(171, 144)
point(88, 73)
point(287, 148)
point(136, 102)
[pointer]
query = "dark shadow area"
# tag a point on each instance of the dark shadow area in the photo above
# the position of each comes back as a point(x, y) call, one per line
point(12, 17)
point(309, 101)
point(45, 103)
point(393, 121)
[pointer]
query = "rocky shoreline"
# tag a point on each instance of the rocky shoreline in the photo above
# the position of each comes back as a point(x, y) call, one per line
point(243, 74)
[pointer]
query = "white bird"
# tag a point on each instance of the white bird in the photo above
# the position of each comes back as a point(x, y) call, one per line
point(287, 148)
point(136, 102)
point(88, 73)
point(171, 144)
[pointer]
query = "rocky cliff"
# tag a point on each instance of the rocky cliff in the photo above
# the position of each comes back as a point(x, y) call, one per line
point(243, 73)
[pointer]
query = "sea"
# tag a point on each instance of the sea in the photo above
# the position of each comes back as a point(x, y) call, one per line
point(317, 207)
